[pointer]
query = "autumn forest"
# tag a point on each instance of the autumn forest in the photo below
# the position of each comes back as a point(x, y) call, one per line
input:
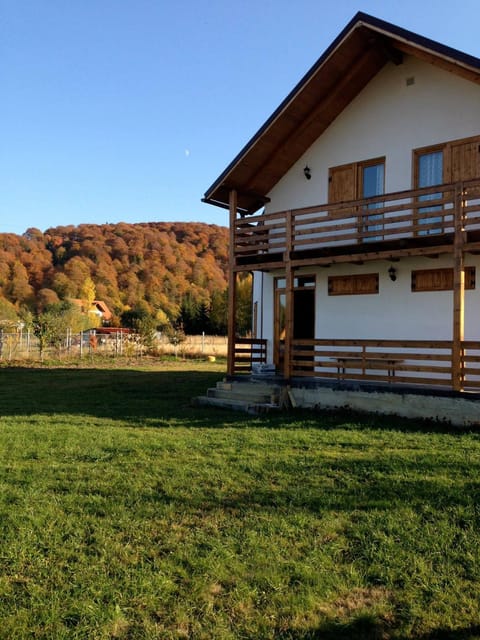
point(174, 273)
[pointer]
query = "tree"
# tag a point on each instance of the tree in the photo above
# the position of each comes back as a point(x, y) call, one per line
point(50, 326)
point(219, 312)
point(8, 314)
point(20, 290)
point(244, 304)
point(46, 297)
point(63, 286)
point(141, 320)
point(87, 292)
point(176, 335)
point(124, 264)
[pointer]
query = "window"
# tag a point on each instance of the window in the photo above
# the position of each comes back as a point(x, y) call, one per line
point(429, 173)
point(454, 161)
point(356, 181)
point(372, 178)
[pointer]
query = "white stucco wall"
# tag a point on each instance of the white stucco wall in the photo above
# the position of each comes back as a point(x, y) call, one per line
point(394, 313)
point(388, 118)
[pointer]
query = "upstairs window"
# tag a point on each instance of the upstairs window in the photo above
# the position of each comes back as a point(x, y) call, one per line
point(449, 162)
point(356, 181)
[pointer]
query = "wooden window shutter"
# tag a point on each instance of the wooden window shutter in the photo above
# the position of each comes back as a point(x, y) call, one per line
point(464, 160)
point(440, 279)
point(359, 284)
point(342, 183)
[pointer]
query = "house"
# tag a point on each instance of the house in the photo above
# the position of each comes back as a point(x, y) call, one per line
point(357, 208)
point(100, 308)
point(97, 308)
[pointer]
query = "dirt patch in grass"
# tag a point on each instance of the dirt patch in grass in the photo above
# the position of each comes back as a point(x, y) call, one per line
point(361, 599)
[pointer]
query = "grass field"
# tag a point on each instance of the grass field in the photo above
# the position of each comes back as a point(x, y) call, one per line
point(126, 513)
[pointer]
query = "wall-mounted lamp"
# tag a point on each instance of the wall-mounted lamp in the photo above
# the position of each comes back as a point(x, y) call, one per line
point(392, 273)
point(307, 173)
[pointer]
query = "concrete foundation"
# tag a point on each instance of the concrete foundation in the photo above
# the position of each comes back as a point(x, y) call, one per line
point(459, 411)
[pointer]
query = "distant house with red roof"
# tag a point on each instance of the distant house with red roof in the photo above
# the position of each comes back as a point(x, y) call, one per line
point(97, 308)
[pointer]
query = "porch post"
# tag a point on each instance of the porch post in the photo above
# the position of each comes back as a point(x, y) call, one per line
point(289, 298)
point(232, 285)
point(458, 291)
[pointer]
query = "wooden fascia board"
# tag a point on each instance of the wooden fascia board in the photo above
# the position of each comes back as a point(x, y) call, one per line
point(444, 63)
point(431, 51)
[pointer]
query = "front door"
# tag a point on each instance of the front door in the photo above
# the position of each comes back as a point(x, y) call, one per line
point(303, 314)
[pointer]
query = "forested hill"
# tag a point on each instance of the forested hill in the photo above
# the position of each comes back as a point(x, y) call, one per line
point(162, 266)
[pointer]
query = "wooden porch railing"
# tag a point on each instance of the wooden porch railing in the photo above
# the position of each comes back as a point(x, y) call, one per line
point(421, 362)
point(471, 364)
point(248, 352)
point(404, 214)
point(427, 363)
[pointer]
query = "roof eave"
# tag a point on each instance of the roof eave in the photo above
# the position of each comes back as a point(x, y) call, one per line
point(217, 193)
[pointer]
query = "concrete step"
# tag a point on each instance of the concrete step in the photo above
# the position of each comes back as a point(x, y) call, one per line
point(222, 403)
point(253, 387)
point(249, 395)
point(235, 405)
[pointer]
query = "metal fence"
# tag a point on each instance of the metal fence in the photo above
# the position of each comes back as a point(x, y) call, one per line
point(24, 345)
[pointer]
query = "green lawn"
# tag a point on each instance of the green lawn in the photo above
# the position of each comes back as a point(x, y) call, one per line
point(126, 513)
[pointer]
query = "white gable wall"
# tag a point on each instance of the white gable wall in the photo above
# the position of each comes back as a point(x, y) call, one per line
point(388, 119)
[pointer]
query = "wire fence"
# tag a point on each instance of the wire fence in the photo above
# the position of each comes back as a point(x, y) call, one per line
point(24, 345)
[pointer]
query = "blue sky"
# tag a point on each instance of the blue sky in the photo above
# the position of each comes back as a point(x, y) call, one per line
point(127, 110)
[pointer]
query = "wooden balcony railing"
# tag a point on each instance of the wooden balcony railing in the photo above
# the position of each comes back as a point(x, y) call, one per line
point(412, 362)
point(405, 214)
point(248, 352)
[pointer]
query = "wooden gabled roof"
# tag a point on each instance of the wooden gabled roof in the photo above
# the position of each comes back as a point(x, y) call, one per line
point(345, 68)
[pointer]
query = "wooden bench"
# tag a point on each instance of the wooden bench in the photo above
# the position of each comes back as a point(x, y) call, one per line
point(366, 362)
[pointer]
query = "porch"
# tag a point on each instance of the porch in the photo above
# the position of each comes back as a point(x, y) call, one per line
point(410, 363)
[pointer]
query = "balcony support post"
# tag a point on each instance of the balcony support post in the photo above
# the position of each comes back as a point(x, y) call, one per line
point(289, 298)
point(232, 285)
point(458, 292)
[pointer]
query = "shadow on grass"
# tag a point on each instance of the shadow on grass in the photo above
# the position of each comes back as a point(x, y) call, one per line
point(138, 396)
point(127, 394)
point(369, 628)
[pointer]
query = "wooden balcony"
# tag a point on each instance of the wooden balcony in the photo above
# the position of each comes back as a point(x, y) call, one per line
point(394, 362)
point(414, 222)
